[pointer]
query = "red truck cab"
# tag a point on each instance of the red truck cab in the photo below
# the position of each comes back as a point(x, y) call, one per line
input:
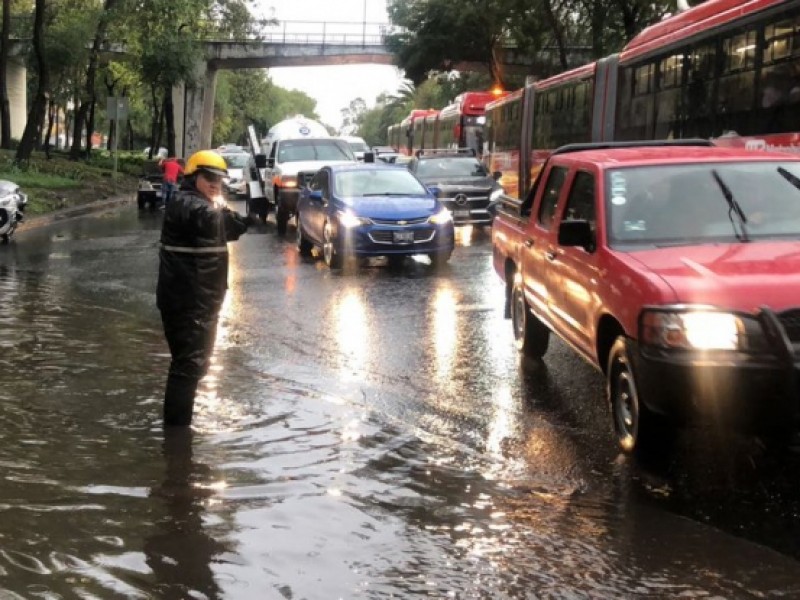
point(673, 268)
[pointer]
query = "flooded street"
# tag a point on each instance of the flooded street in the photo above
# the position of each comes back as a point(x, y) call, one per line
point(360, 435)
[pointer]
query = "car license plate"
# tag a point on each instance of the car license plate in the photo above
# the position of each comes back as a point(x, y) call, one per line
point(461, 214)
point(403, 237)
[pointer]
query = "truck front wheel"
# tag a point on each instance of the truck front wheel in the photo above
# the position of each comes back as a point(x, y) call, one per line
point(637, 429)
point(531, 336)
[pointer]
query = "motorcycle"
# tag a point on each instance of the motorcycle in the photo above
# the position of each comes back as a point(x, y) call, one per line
point(12, 208)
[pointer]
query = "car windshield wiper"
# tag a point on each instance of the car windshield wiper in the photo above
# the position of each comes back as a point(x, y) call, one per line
point(733, 207)
point(790, 177)
point(385, 194)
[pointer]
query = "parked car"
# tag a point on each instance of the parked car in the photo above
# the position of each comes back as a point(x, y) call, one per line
point(368, 209)
point(674, 269)
point(235, 183)
point(467, 188)
point(161, 153)
point(149, 192)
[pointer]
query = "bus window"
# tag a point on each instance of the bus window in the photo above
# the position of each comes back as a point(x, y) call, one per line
point(641, 119)
point(668, 97)
point(698, 91)
point(737, 85)
point(779, 80)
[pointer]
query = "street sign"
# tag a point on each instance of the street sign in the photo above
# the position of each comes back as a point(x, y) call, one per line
point(117, 108)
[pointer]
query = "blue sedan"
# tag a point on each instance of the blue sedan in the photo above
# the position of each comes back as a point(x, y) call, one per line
point(363, 210)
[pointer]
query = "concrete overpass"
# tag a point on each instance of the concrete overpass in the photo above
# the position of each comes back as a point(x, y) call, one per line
point(289, 44)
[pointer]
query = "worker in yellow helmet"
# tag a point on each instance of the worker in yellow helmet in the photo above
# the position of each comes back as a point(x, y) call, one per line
point(193, 277)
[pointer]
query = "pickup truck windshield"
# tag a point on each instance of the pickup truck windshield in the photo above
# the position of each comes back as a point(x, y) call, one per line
point(684, 204)
point(300, 150)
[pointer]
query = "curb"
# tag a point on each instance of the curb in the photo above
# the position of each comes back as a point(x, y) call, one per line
point(73, 212)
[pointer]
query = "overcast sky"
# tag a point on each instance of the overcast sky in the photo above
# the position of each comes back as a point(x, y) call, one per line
point(333, 87)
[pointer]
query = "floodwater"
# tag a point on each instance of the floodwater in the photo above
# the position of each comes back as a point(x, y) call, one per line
point(365, 435)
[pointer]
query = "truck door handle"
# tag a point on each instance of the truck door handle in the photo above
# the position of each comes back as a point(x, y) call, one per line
point(551, 255)
point(528, 243)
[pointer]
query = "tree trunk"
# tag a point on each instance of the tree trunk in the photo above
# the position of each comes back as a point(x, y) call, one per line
point(169, 117)
point(154, 134)
point(51, 111)
point(28, 140)
point(90, 128)
point(5, 109)
point(89, 96)
point(558, 34)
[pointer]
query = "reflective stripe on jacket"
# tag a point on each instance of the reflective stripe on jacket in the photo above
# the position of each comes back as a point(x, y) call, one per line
point(193, 269)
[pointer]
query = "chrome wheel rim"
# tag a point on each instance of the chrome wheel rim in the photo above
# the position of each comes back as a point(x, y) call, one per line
point(626, 409)
point(518, 314)
point(327, 246)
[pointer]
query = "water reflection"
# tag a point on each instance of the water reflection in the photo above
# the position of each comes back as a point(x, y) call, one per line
point(352, 332)
point(181, 550)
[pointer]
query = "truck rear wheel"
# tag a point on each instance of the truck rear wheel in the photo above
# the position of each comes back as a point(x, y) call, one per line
point(531, 336)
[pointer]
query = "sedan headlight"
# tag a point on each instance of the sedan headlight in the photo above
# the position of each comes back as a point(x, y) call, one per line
point(700, 328)
point(443, 217)
point(349, 220)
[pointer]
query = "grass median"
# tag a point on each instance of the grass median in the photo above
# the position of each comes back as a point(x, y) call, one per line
point(57, 182)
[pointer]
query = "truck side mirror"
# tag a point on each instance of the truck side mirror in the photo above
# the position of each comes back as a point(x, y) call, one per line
point(497, 175)
point(261, 161)
point(369, 157)
point(576, 233)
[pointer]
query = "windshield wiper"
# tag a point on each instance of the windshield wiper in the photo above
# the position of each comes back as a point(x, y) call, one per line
point(733, 207)
point(790, 177)
point(385, 194)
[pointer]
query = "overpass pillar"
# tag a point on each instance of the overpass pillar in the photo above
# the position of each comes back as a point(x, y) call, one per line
point(17, 79)
point(194, 111)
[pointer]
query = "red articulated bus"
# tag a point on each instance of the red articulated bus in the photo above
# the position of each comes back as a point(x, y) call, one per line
point(728, 70)
point(408, 135)
point(461, 124)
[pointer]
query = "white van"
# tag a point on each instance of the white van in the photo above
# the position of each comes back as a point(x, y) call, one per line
point(293, 145)
point(357, 145)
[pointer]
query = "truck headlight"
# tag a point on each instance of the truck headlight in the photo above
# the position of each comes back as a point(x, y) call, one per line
point(6, 201)
point(496, 193)
point(287, 181)
point(700, 328)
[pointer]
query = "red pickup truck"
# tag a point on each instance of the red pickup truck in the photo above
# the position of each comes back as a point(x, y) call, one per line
point(673, 268)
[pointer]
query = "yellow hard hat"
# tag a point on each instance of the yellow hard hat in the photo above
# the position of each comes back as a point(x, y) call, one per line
point(206, 160)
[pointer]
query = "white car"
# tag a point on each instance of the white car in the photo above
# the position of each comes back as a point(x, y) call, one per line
point(235, 182)
point(357, 145)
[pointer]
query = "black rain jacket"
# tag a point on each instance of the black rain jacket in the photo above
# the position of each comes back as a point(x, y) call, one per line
point(193, 271)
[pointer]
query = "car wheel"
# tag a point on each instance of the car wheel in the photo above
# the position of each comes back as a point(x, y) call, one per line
point(531, 336)
point(304, 245)
point(439, 259)
point(330, 253)
point(281, 219)
point(636, 428)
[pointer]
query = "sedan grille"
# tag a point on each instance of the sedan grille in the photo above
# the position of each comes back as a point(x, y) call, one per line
point(386, 236)
point(396, 222)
